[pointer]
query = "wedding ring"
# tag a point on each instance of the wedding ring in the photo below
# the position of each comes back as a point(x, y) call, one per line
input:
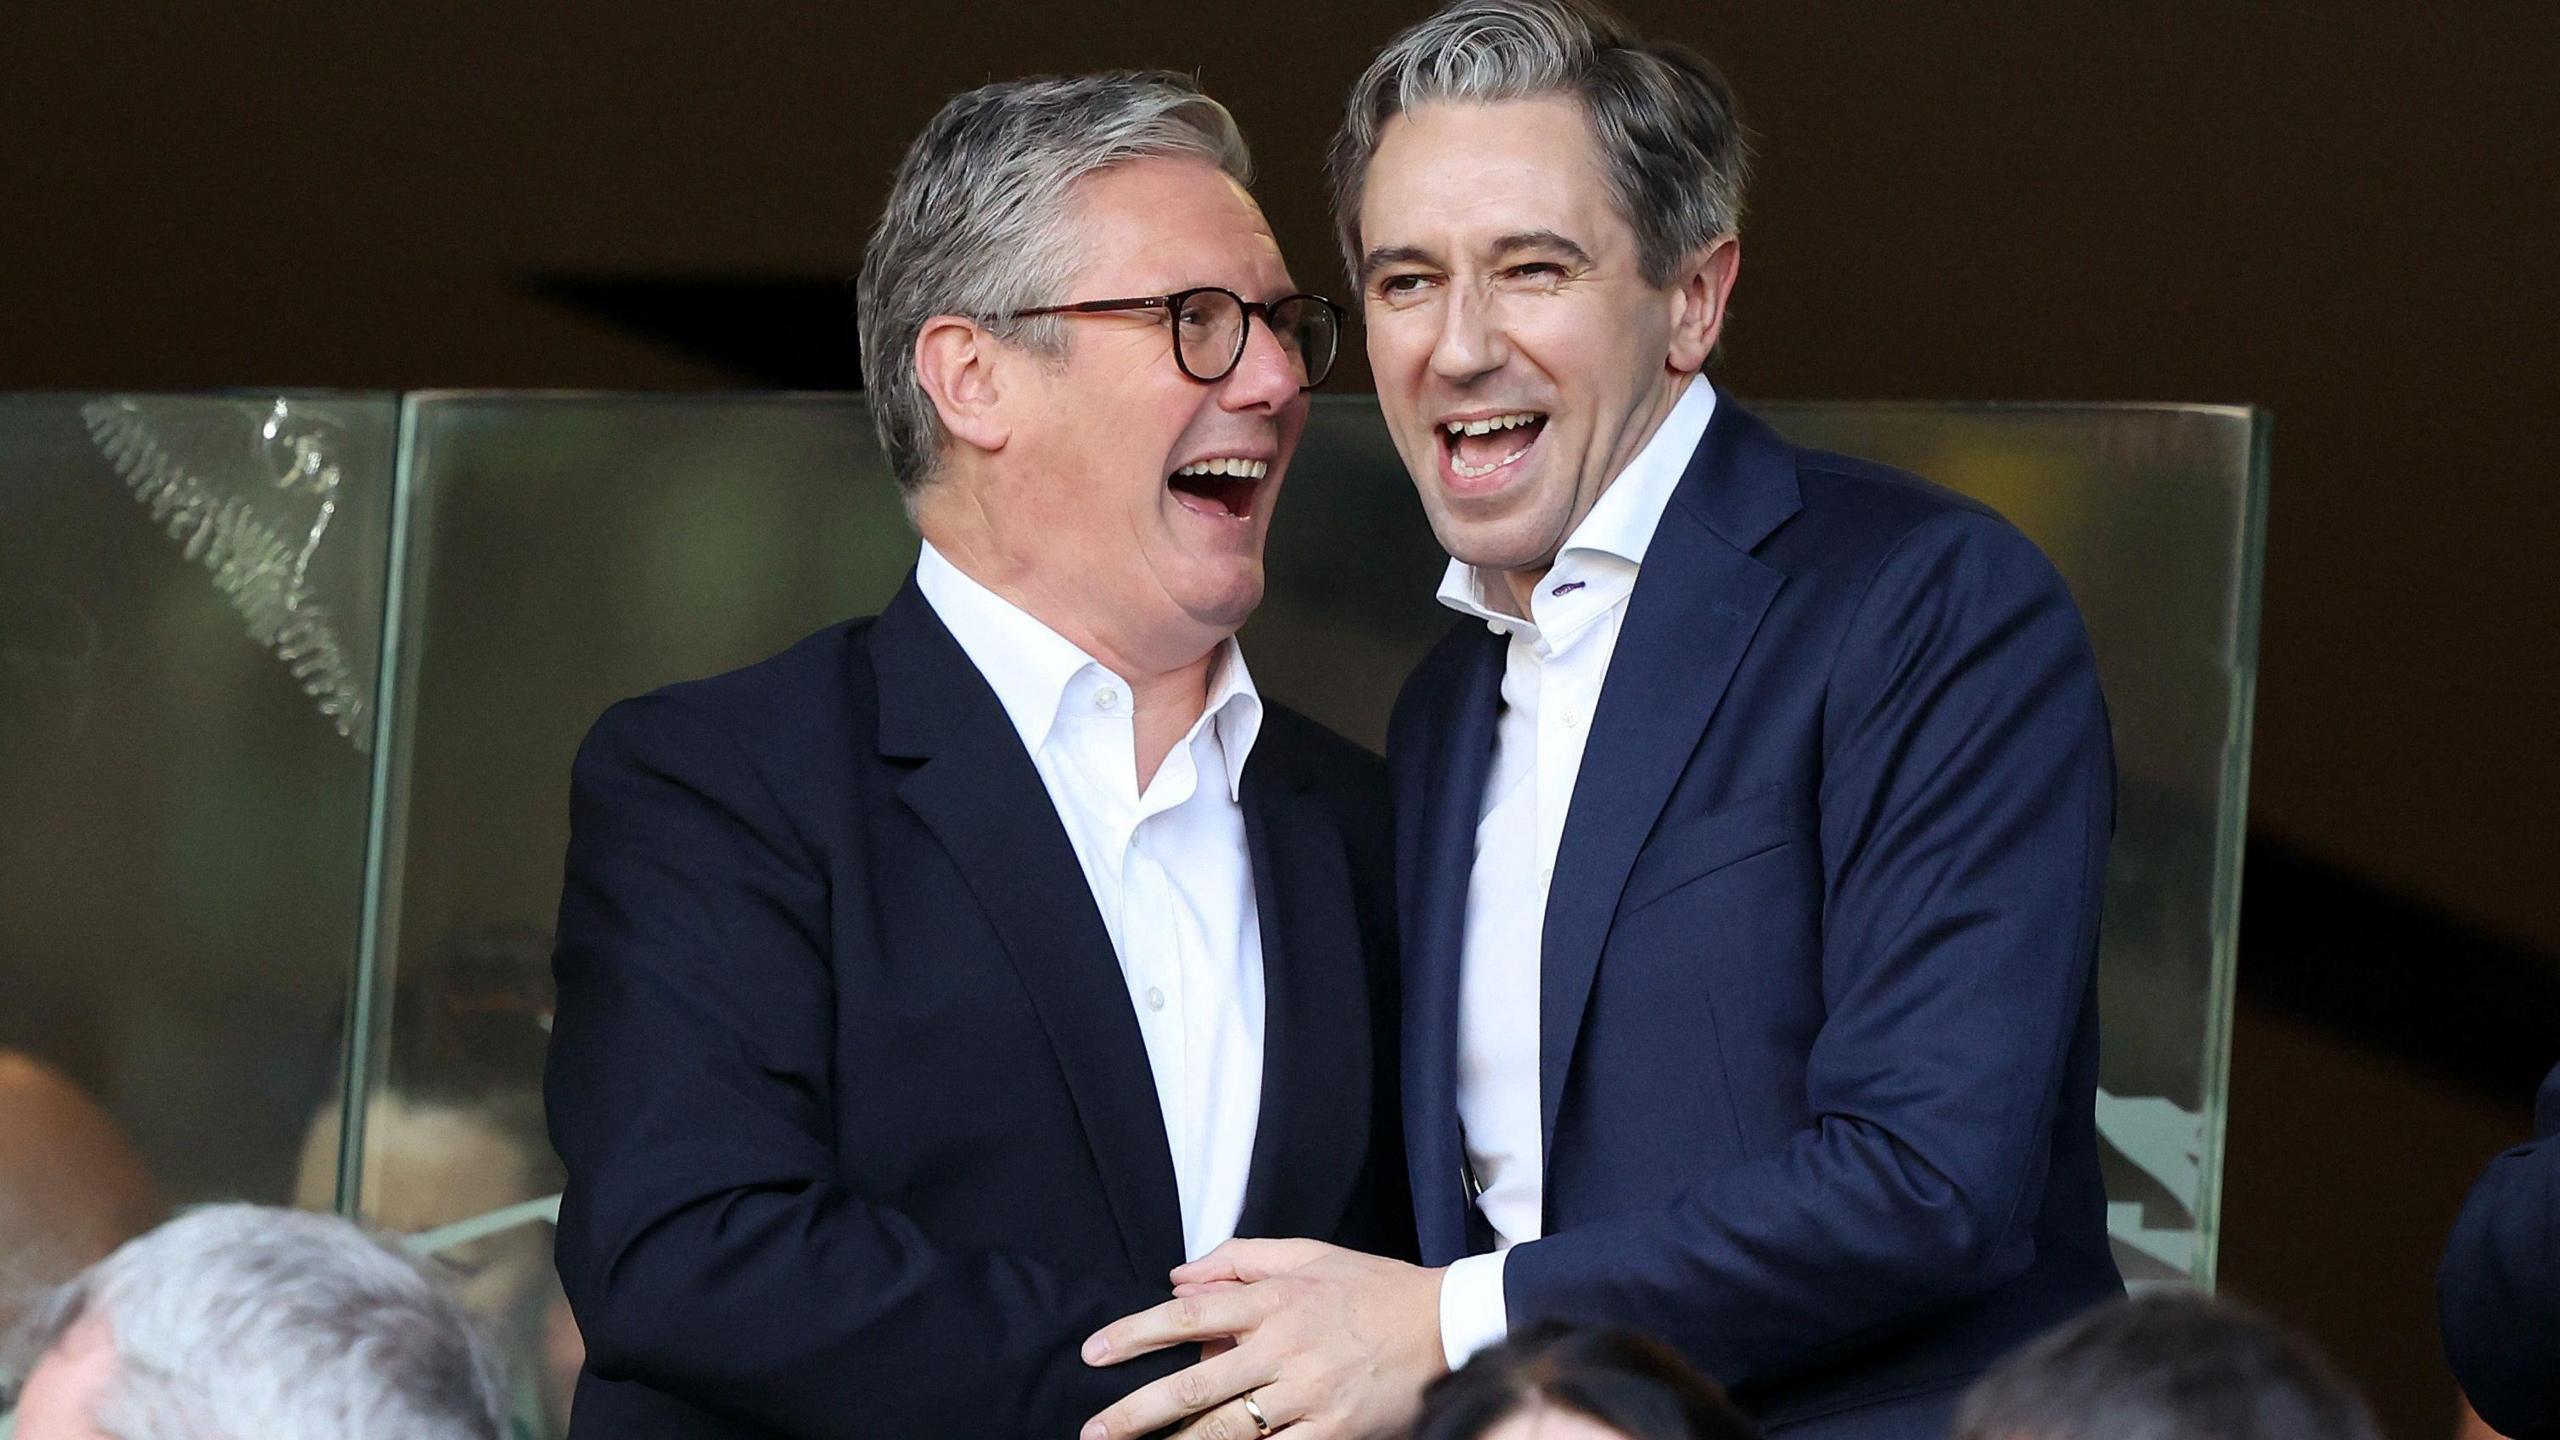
point(1261, 1424)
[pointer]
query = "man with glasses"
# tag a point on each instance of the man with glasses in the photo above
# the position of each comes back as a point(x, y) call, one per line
point(930, 991)
point(1752, 818)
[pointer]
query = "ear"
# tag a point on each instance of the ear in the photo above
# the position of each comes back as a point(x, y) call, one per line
point(963, 369)
point(1700, 292)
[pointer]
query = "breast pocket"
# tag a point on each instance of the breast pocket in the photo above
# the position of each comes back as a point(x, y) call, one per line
point(1691, 849)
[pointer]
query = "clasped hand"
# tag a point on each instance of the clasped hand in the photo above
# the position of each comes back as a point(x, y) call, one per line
point(1330, 1344)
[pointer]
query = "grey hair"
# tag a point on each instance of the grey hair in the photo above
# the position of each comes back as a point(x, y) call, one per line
point(980, 222)
point(241, 1322)
point(1669, 131)
point(2165, 1366)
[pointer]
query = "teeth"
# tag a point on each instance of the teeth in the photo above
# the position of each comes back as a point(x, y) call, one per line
point(1489, 425)
point(1478, 472)
point(1241, 469)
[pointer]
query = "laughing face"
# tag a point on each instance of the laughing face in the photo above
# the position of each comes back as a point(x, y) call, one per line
point(1522, 359)
point(1131, 506)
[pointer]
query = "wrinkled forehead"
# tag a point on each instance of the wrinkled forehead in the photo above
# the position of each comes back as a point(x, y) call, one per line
point(1165, 223)
point(1476, 176)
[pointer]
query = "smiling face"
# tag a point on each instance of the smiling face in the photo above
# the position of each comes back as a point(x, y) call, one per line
point(1522, 358)
point(1125, 503)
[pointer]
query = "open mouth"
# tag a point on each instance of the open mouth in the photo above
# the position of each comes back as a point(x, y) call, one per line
point(1479, 447)
point(1223, 487)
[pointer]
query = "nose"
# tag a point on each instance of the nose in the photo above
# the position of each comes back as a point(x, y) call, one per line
point(1469, 343)
point(1264, 378)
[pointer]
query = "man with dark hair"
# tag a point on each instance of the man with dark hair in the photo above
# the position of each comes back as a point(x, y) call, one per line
point(1569, 1384)
point(2161, 1367)
point(929, 991)
point(1752, 821)
point(2498, 1290)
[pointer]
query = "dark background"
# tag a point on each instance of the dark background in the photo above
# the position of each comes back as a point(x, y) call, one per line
point(2346, 213)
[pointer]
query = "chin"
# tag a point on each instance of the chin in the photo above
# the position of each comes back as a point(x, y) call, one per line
point(1503, 544)
point(1227, 601)
point(1229, 612)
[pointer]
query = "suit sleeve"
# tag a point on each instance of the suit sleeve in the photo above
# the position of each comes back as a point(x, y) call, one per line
point(2498, 1291)
point(710, 1244)
point(1966, 802)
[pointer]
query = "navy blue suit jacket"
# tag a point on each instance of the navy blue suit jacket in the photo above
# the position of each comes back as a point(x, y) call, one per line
point(1817, 1037)
point(861, 1135)
point(2498, 1291)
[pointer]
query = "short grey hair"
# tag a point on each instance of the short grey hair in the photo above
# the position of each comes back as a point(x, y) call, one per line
point(1669, 131)
point(241, 1322)
point(980, 222)
point(2165, 1366)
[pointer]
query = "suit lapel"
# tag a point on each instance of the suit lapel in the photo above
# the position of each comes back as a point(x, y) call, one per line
point(979, 794)
point(1314, 1128)
point(1450, 801)
point(1698, 601)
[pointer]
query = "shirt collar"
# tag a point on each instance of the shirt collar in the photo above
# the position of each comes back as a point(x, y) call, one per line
point(1601, 556)
point(1236, 708)
point(1030, 666)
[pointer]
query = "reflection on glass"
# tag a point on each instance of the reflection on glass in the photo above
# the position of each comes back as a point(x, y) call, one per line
point(250, 498)
point(181, 822)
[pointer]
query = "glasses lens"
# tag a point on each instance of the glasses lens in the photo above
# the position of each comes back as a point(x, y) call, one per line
point(1308, 331)
point(1208, 333)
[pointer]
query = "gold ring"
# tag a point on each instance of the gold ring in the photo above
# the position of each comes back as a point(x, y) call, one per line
point(1261, 1425)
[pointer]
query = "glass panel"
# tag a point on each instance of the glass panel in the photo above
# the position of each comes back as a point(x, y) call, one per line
point(572, 550)
point(567, 552)
point(190, 611)
point(2155, 516)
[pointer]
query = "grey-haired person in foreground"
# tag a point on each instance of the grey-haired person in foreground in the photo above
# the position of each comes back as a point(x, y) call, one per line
point(240, 1322)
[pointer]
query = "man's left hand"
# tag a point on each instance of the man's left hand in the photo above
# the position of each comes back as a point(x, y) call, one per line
point(1330, 1344)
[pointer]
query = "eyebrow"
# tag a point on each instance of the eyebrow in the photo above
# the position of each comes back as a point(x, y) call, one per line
point(1385, 255)
point(1547, 241)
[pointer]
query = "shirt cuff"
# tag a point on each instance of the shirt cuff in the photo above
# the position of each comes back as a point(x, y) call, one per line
point(1473, 1314)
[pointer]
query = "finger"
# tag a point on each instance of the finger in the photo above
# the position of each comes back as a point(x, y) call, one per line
point(1232, 1421)
point(1249, 1260)
point(1230, 1310)
point(1209, 1268)
point(1178, 1396)
point(1206, 1287)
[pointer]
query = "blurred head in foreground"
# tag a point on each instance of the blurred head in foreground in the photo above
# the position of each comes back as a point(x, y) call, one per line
point(238, 1322)
point(2166, 1366)
point(1578, 1385)
point(72, 1187)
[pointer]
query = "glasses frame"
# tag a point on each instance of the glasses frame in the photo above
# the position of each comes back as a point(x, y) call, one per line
point(1172, 304)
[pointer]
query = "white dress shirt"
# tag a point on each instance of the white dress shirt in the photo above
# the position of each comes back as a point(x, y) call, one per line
point(1168, 868)
point(1551, 677)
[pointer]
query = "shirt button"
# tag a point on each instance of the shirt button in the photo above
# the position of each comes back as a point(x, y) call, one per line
point(1106, 698)
point(1155, 998)
point(1572, 717)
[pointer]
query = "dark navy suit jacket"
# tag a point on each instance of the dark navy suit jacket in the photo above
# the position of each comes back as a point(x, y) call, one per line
point(861, 1135)
point(1818, 1045)
point(2498, 1291)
